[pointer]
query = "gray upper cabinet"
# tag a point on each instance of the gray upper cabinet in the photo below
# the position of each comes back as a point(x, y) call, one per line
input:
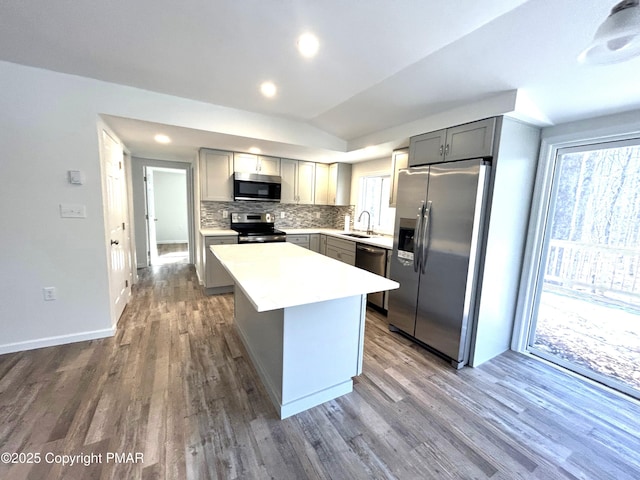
point(298, 181)
point(471, 140)
point(427, 148)
point(289, 177)
point(339, 184)
point(399, 159)
point(216, 175)
point(321, 196)
point(306, 182)
point(250, 163)
point(332, 184)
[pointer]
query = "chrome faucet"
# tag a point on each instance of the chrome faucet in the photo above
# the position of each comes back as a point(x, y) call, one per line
point(369, 230)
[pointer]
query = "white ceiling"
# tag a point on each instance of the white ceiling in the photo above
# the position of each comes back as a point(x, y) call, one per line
point(382, 63)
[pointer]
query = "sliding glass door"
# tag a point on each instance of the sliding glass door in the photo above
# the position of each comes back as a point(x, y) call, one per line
point(586, 305)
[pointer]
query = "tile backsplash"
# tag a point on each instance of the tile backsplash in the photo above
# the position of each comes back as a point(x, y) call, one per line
point(296, 216)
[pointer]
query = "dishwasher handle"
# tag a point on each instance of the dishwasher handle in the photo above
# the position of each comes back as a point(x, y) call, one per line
point(376, 251)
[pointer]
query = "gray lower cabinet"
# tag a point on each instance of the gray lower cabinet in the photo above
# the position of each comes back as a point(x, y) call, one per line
point(301, 240)
point(217, 280)
point(343, 250)
point(323, 245)
point(314, 242)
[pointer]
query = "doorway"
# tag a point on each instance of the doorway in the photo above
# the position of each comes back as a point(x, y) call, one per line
point(167, 215)
point(163, 211)
point(586, 304)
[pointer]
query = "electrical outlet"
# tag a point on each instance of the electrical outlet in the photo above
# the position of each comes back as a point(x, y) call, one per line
point(49, 293)
point(317, 214)
point(225, 214)
point(282, 215)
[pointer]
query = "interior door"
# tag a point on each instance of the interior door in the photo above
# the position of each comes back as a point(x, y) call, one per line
point(115, 200)
point(412, 193)
point(451, 239)
point(150, 198)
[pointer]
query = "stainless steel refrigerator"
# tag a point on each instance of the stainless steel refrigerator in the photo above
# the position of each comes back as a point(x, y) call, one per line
point(437, 237)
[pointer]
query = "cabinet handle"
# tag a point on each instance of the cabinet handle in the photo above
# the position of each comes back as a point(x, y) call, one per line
point(446, 150)
point(115, 242)
point(441, 149)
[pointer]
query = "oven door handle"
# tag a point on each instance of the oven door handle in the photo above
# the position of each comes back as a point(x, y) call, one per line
point(261, 238)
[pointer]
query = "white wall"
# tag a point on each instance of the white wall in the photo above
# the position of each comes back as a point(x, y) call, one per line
point(47, 130)
point(48, 126)
point(171, 206)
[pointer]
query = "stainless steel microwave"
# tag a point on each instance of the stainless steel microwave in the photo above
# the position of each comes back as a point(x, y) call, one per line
point(253, 186)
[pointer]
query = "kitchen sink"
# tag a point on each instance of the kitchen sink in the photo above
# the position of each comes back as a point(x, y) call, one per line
point(356, 235)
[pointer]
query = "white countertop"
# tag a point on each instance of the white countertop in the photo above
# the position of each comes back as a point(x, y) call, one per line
point(383, 241)
point(217, 232)
point(281, 275)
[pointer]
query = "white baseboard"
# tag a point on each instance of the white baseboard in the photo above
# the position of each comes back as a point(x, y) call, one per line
point(54, 341)
point(171, 242)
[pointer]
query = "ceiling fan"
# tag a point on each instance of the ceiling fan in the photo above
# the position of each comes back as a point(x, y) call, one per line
point(618, 38)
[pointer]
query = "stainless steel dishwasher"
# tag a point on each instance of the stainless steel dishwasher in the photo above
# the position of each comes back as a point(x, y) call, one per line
point(374, 260)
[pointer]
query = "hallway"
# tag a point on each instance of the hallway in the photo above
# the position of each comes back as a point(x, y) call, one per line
point(172, 253)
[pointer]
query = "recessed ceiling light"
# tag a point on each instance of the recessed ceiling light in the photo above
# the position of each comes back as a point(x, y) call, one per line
point(161, 138)
point(268, 89)
point(254, 150)
point(308, 45)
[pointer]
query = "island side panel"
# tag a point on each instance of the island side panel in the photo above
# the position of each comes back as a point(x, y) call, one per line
point(322, 350)
point(363, 321)
point(262, 335)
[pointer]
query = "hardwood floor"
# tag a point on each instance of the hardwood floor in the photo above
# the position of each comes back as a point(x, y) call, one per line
point(172, 253)
point(175, 385)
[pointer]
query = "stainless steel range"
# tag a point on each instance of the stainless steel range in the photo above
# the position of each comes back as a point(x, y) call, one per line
point(256, 228)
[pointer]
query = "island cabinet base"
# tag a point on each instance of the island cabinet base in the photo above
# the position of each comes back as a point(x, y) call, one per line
point(307, 354)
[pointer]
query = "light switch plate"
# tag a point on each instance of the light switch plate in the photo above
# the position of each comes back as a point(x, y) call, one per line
point(73, 211)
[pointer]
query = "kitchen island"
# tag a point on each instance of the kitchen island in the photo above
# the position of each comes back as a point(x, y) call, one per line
point(301, 317)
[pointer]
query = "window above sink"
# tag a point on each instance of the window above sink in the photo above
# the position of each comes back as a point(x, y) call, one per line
point(373, 196)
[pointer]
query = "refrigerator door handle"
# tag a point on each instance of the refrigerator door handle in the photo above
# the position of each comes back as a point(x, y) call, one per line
point(417, 247)
point(425, 238)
